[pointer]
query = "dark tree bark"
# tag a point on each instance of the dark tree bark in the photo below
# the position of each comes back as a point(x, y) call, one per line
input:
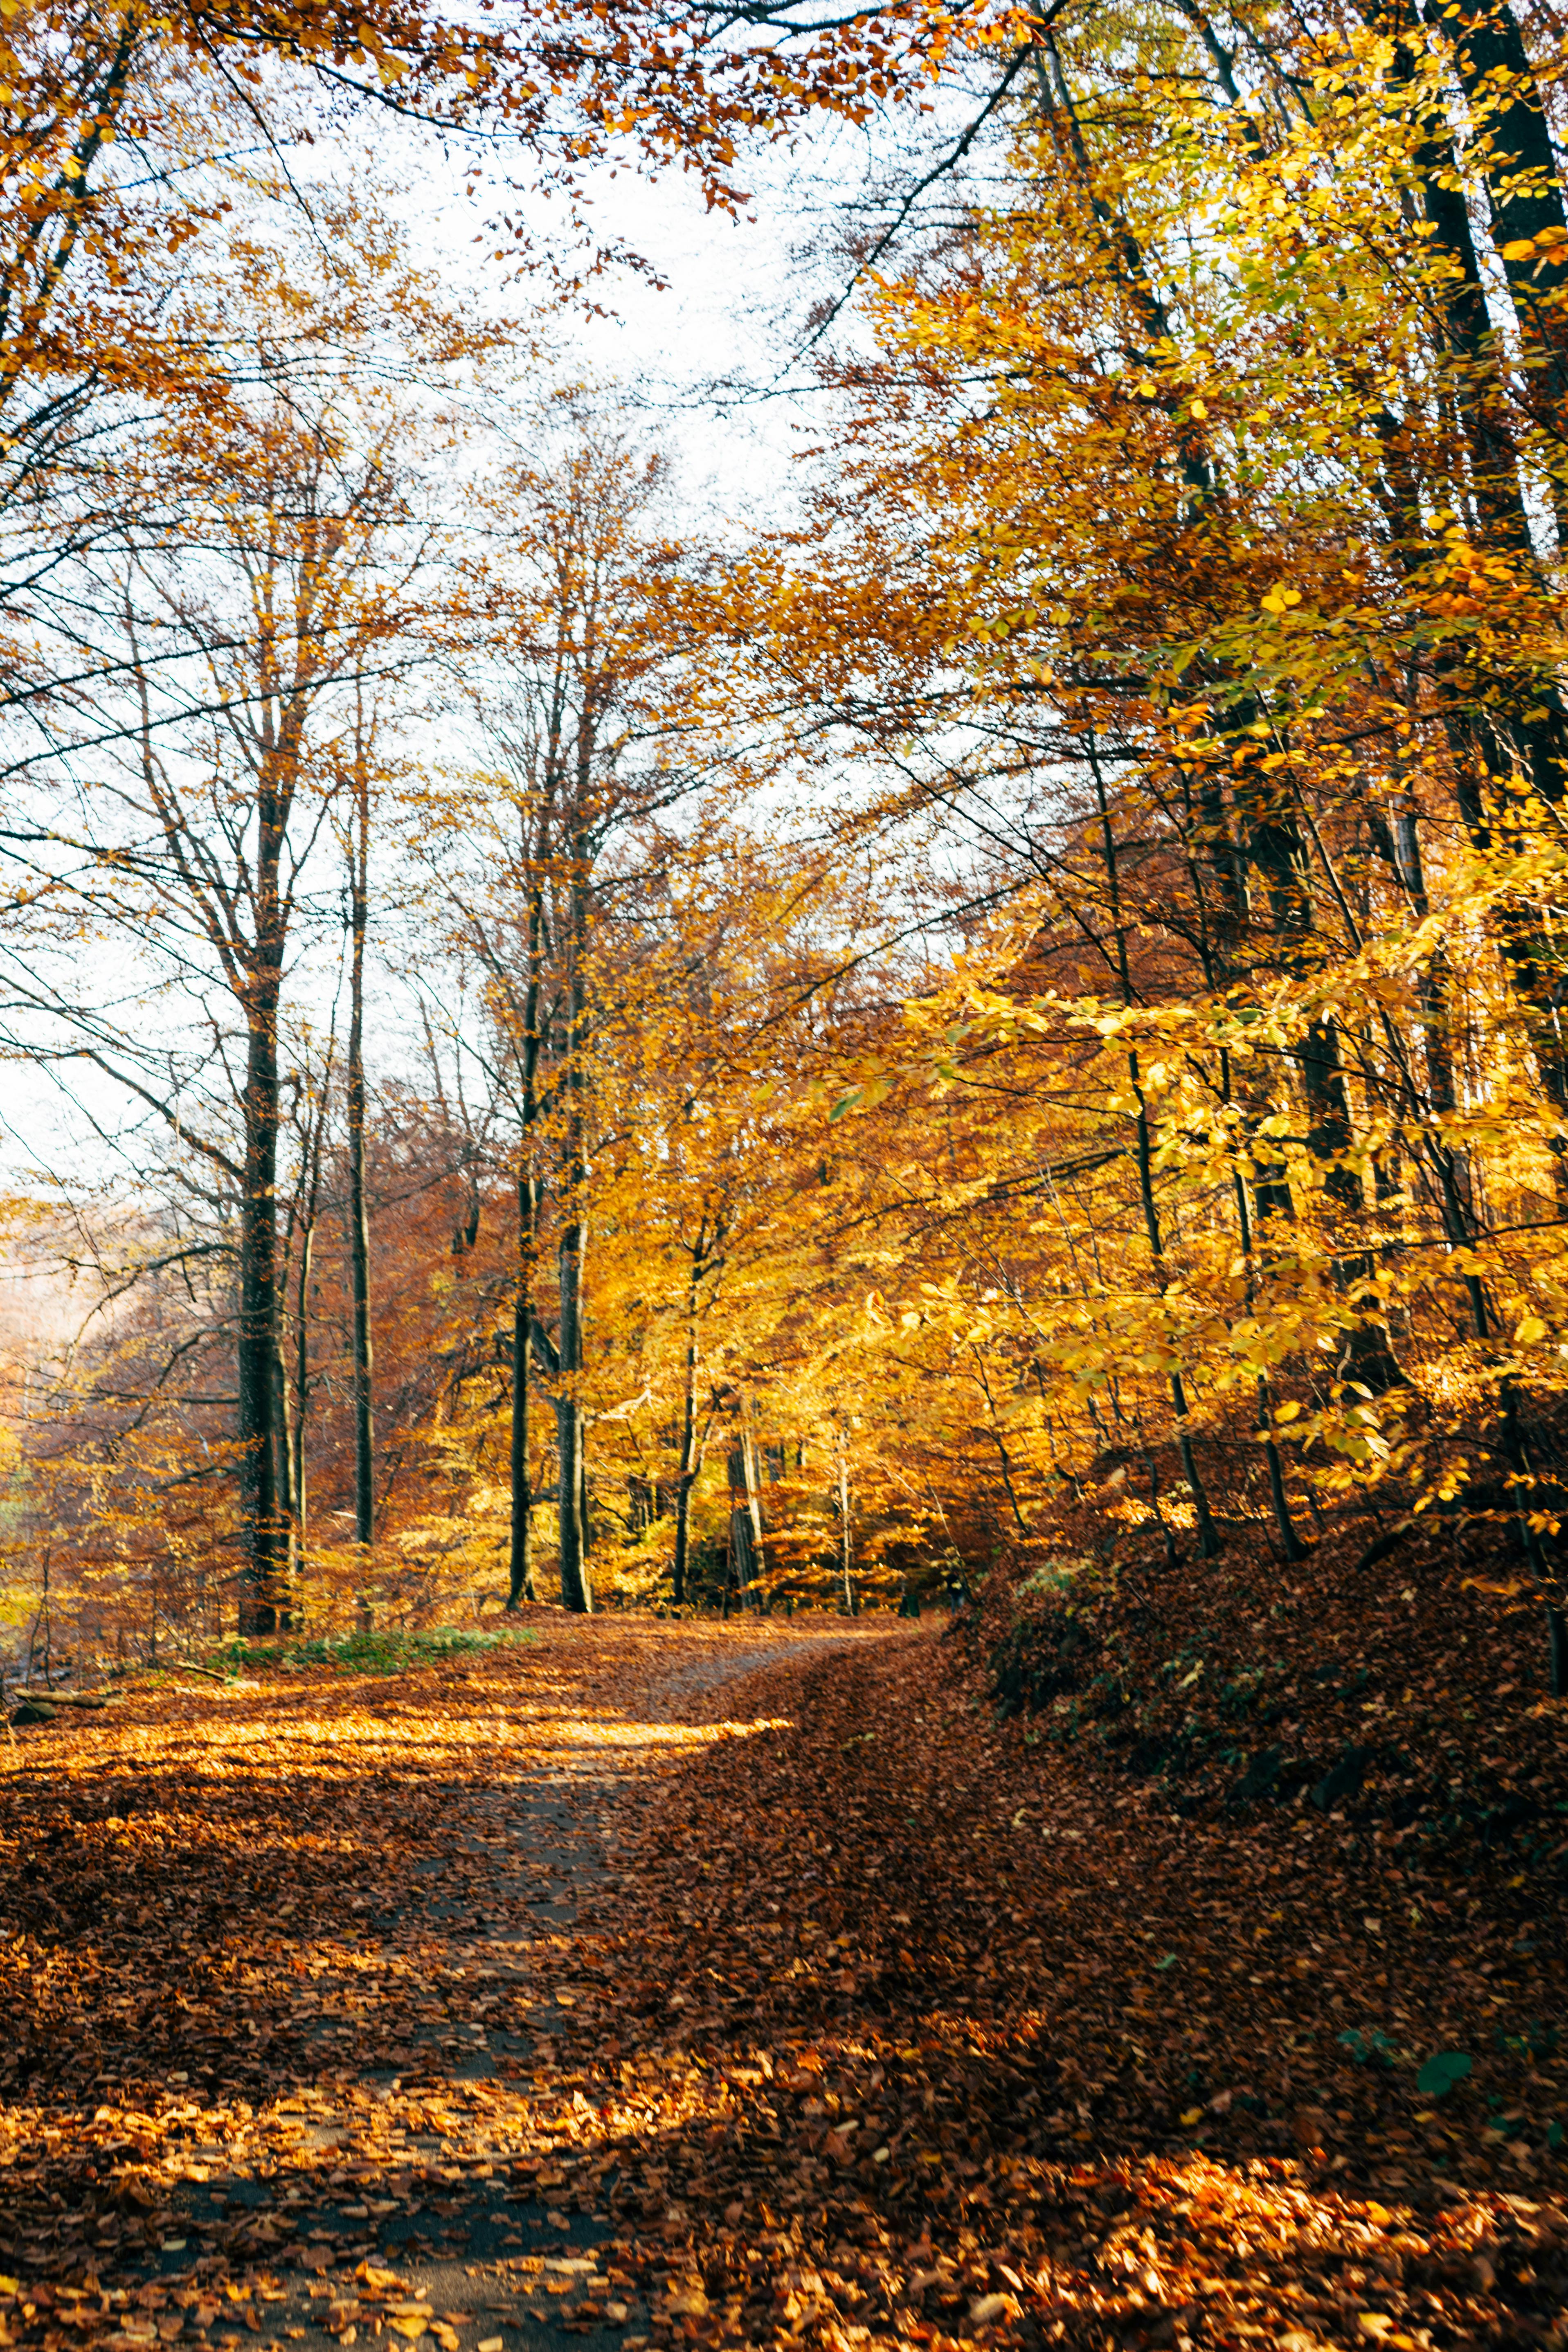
point(359, 1222)
point(263, 1584)
point(1520, 168)
point(521, 1586)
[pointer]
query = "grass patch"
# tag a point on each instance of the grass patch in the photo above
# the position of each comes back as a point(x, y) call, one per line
point(389, 1652)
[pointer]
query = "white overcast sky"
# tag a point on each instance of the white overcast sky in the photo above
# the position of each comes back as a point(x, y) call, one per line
point(730, 312)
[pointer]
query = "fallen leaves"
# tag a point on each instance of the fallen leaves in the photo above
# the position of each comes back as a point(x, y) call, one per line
point(849, 2057)
point(1005, 2046)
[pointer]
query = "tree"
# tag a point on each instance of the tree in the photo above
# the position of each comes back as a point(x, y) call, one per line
point(357, 847)
point(282, 595)
point(1266, 598)
point(578, 712)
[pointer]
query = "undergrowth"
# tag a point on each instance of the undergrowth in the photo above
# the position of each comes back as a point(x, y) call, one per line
point(1394, 1697)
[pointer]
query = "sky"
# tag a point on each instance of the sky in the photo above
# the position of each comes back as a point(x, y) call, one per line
point(702, 366)
point(703, 360)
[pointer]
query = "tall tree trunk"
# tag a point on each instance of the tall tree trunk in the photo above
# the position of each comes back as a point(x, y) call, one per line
point(285, 1425)
point(262, 1580)
point(308, 1208)
point(359, 1225)
point(1153, 331)
point(521, 1586)
point(1520, 166)
point(301, 1379)
point(689, 1448)
point(520, 1581)
point(576, 1584)
point(576, 1587)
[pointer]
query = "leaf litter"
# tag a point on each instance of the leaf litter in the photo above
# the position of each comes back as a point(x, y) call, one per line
point(619, 1995)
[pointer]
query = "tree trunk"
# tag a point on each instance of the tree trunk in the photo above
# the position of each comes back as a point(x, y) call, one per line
point(1520, 168)
point(1517, 160)
point(519, 1585)
point(303, 1371)
point(262, 1580)
point(576, 1593)
point(742, 1523)
point(845, 1535)
point(689, 1451)
point(359, 1228)
point(753, 1501)
point(577, 1589)
point(285, 1427)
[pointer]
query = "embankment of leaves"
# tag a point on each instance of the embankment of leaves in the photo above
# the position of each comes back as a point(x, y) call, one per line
point(917, 2030)
point(1405, 1697)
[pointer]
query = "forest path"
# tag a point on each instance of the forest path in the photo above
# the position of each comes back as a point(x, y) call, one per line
point(494, 2259)
point(285, 1954)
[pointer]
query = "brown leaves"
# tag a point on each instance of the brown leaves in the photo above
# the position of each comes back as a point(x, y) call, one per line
point(987, 2133)
point(1021, 2075)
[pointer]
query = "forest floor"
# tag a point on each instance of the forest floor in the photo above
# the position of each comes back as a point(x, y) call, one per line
point(684, 1984)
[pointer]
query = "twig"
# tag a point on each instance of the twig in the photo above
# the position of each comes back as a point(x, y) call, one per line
point(177, 1665)
point(1381, 1546)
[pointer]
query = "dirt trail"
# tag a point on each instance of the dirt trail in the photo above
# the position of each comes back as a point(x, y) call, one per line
point(439, 1830)
point(568, 1813)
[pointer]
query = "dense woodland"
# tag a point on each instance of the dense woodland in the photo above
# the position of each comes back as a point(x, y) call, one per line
point(976, 1027)
point(1015, 1016)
